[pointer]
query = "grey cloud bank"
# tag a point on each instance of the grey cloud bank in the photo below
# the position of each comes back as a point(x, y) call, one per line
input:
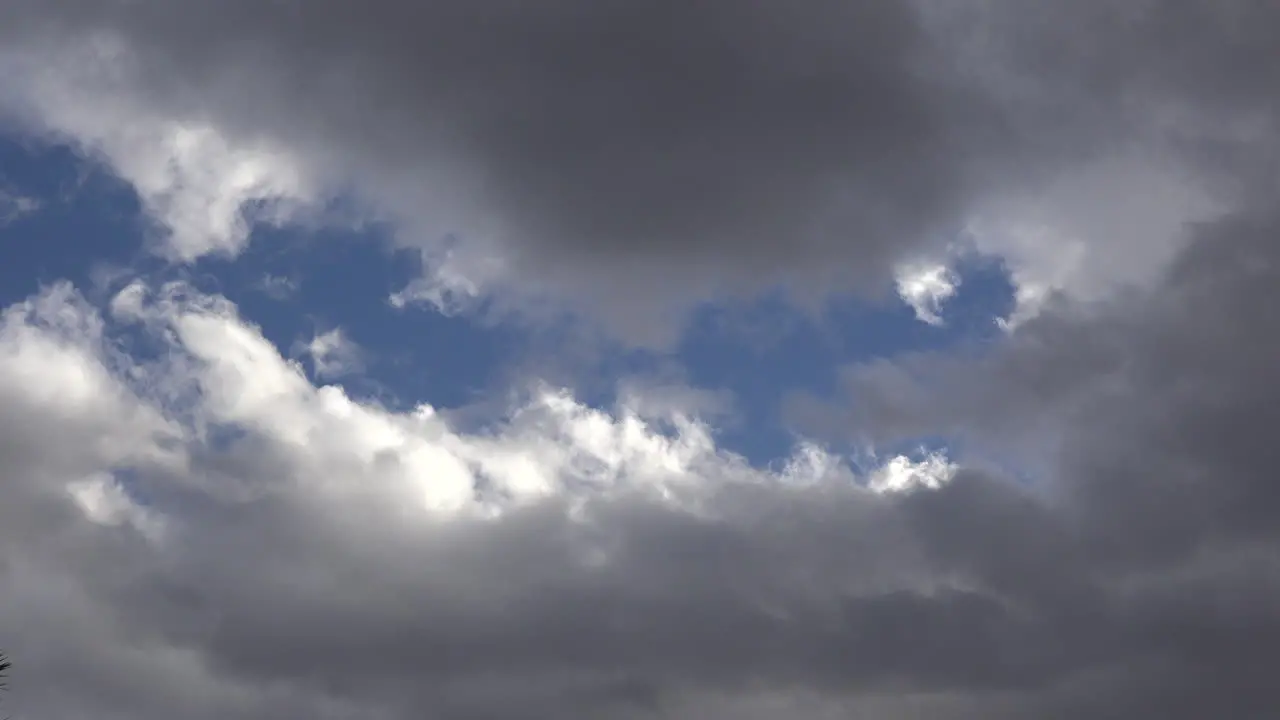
point(324, 563)
point(1137, 578)
point(592, 150)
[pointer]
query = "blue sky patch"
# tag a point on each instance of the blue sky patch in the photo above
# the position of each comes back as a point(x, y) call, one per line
point(297, 282)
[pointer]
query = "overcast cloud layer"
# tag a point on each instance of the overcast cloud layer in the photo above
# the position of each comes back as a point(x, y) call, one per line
point(589, 150)
point(191, 528)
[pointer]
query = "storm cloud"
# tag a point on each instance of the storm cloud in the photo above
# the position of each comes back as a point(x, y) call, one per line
point(593, 150)
point(322, 564)
point(201, 531)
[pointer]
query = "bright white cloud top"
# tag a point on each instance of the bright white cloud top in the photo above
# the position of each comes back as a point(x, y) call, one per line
point(218, 467)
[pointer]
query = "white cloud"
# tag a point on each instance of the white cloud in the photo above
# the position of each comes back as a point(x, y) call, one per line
point(925, 287)
point(1108, 225)
point(902, 474)
point(159, 513)
point(221, 372)
point(278, 287)
point(1102, 228)
point(455, 278)
point(55, 369)
point(197, 183)
point(106, 501)
point(551, 445)
point(201, 185)
point(14, 206)
point(334, 355)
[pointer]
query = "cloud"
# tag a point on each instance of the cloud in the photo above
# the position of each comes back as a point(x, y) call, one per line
point(901, 474)
point(581, 154)
point(202, 187)
point(204, 532)
point(193, 528)
point(333, 354)
point(218, 507)
point(925, 288)
point(1144, 426)
point(1093, 233)
point(13, 207)
point(278, 287)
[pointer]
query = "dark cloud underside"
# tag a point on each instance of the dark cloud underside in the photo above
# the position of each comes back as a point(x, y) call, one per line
point(1135, 576)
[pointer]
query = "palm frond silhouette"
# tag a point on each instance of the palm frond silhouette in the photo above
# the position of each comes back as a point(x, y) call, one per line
point(4, 674)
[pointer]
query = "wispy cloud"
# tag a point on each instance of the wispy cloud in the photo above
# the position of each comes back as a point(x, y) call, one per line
point(14, 206)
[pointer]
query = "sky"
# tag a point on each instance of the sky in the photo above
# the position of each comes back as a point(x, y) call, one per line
point(639, 359)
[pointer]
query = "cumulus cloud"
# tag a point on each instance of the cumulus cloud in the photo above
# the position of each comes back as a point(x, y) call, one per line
point(202, 531)
point(902, 474)
point(14, 206)
point(278, 287)
point(1144, 425)
point(925, 287)
point(201, 186)
point(217, 510)
point(586, 152)
point(334, 354)
point(1109, 226)
point(193, 528)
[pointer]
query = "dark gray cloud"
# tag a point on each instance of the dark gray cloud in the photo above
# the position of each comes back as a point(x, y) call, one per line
point(615, 134)
point(1134, 577)
point(608, 148)
point(1150, 427)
